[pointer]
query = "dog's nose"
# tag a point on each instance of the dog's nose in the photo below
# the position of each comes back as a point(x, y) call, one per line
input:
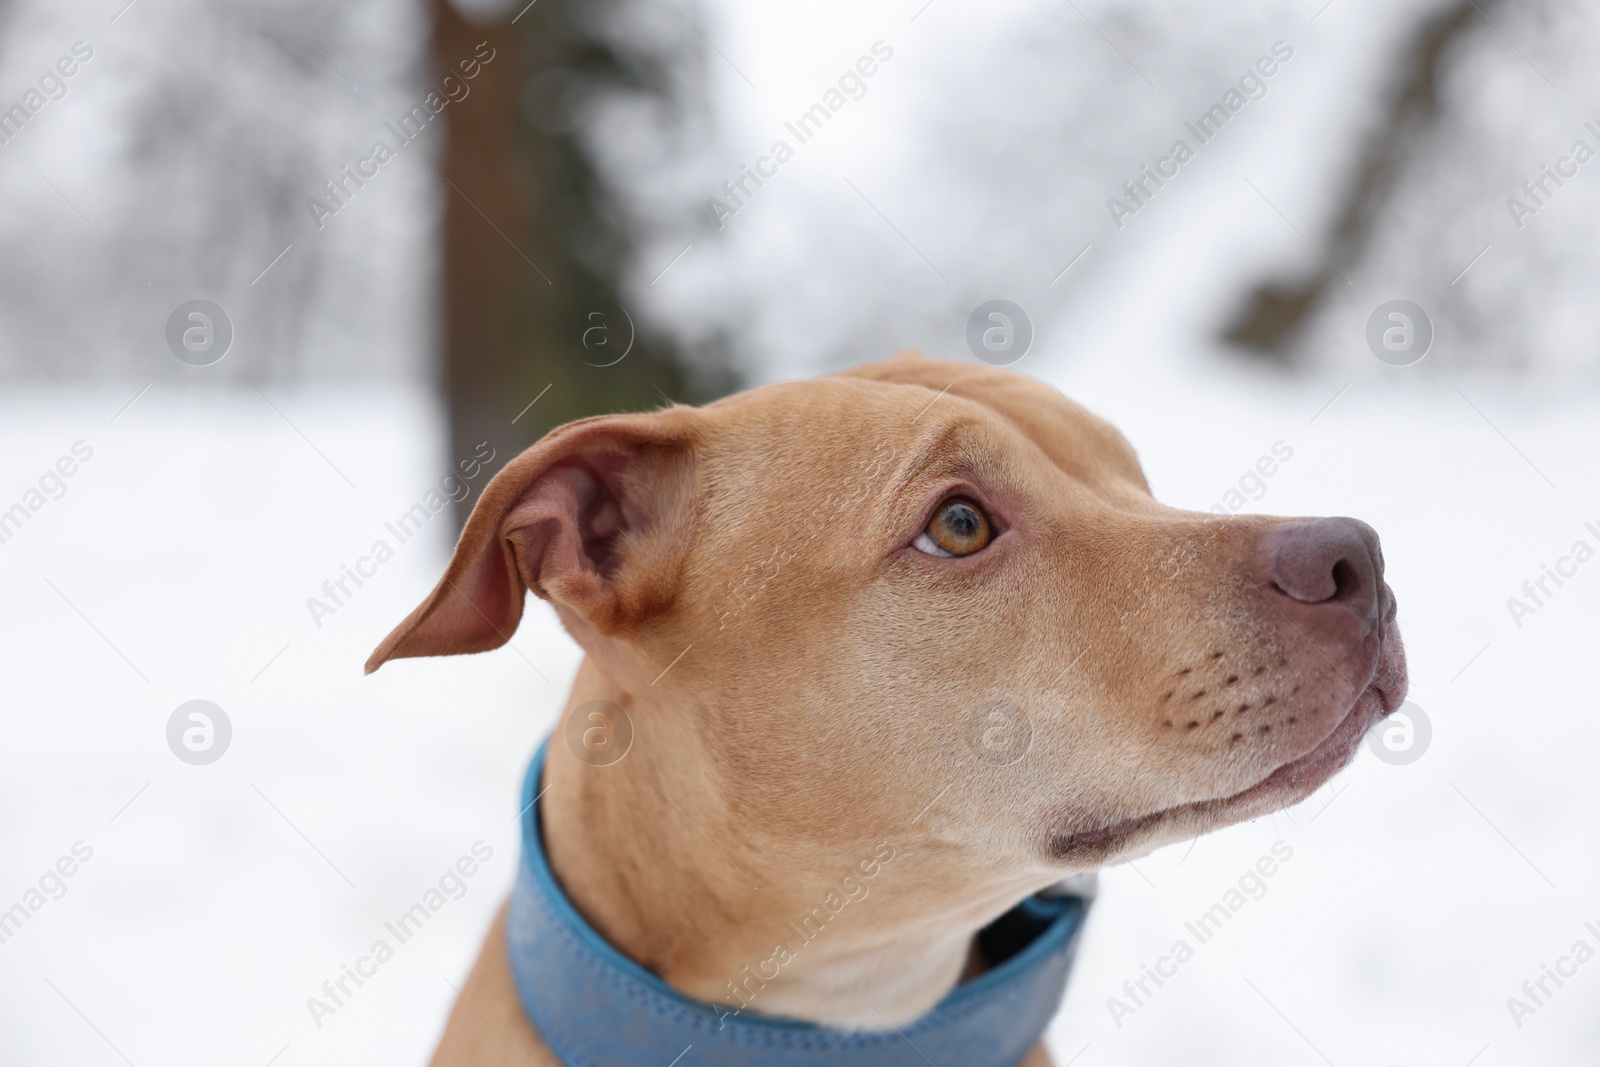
point(1324, 561)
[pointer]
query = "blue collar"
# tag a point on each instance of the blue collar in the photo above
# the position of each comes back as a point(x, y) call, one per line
point(595, 1007)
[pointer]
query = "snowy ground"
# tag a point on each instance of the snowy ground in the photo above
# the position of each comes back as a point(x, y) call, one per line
point(218, 898)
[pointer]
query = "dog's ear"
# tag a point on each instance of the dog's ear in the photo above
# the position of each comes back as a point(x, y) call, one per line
point(592, 518)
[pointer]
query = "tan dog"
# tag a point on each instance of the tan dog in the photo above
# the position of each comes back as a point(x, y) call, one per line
point(818, 601)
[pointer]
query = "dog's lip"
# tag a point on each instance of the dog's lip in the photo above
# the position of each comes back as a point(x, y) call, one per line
point(1316, 766)
point(1291, 781)
point(1106, 835)
point(1320, 764)
point(1302, 775)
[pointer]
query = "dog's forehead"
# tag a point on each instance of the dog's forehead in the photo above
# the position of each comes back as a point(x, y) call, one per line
point(911, 404)
point(1079, 442)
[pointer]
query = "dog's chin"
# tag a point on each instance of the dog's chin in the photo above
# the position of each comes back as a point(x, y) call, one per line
point(1283, 787)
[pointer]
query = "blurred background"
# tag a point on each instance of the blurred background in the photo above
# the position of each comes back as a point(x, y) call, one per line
point(277, 273)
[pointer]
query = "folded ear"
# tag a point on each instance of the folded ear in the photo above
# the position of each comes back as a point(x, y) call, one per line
point(593, 518)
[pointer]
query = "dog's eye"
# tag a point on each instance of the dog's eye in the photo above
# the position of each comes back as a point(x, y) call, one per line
point(958, 528)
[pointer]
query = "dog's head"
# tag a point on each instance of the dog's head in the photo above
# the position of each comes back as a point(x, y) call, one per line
point(934, 599)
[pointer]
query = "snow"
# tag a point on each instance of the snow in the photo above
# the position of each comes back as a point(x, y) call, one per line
point(220, 897)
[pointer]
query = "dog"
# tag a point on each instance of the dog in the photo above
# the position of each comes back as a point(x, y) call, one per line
point(923, 618)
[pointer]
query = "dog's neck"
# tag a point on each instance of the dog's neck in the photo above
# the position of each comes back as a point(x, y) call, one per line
point(648, 853)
